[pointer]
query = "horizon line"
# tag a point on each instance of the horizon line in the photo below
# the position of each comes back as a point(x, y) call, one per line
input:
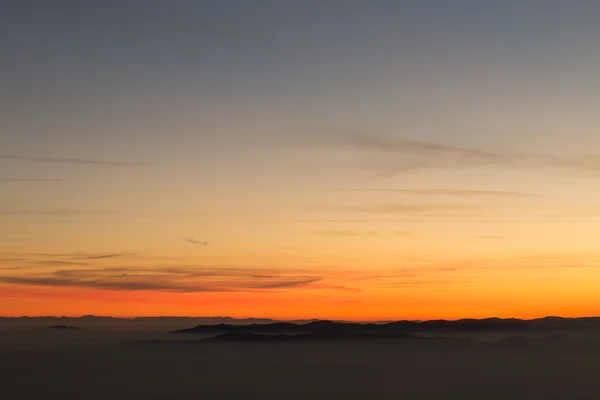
point(293, 319)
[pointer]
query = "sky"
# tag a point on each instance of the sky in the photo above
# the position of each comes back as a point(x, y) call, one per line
point(355, 160)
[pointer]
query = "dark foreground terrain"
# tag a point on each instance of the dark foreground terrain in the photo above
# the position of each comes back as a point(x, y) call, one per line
point(149, 365)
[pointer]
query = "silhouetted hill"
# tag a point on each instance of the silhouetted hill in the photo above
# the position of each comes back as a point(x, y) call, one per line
point(314, 336)
point(276, 327)
point(249, 337)
point(335, 336)
point(63, 327)
point(99, 323)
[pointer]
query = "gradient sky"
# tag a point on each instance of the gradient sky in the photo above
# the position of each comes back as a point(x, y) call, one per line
point(343, 159)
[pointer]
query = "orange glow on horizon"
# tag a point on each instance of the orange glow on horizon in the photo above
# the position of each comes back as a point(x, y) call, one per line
point(17, 300)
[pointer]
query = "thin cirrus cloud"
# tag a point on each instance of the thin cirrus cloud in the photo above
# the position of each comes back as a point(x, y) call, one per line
point(67, 255)
point(31, 180)
point(409, 208)
point(195, 241)
point(77, 161)
point(161, 279)
point(100, 256)
point(37, 261)
point(344, 233)
point(460, 212)
point(63, 212)
point(190, 279)
point(62, 263)
point(34, 263)
point(262, 276)
point(289, 282)
point(95, 284)
point(392, 155)
point(87, 271)
point(339, 288)
point(65, 270)
point(356, 233)
point(28, 265)
point(447, 192)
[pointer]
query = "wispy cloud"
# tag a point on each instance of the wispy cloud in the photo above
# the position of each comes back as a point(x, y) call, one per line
point(366, 278)
point(78, 161)
point(162, 279)
point(195, 241)
point(339, 288)
point(344, 233)
point(409, 208)
point(58, 259)
point(407, 283)
point(261, 276)
point(51, 255)
point(63, 212)
point(392, 155)
point(27, 264)
point(358, 233)
point(30, 180)
point(98, 284)
point(447, 192)
point(100, 256)
point(454, 211)
point(367, 142)
point(61, 271)
point(6, 260)
point(287, 282)
point(61, 263)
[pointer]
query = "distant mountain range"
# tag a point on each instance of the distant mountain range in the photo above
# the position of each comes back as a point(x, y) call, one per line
point(225, 325)
point(400, 327)
point(93, 322)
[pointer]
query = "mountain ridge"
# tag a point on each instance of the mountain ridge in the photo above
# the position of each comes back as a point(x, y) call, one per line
point(402, 326)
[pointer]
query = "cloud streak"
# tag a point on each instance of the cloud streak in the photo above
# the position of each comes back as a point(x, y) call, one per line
point(391, 155)
point(344, 233)
point(408, 208)
point(61, 263)
point(30, 180)
point(183, 280)
point(98, 284)
point(99, 256)
point(289, 282)
point(76, 161)
point(195, 241)
point(448, 192)
point(53, 255)
point(366, 142)
point(56, 213)
point(64, 272)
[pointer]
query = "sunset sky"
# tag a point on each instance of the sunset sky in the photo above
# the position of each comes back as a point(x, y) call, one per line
point(354, 160)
